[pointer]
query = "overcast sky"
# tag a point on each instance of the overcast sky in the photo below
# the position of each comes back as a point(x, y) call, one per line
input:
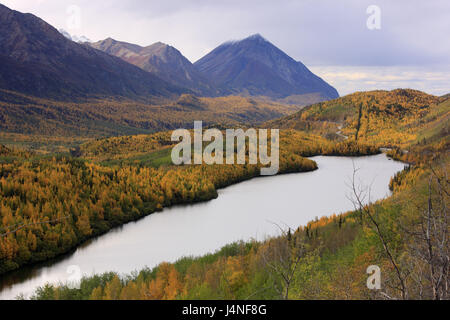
point(411, 49)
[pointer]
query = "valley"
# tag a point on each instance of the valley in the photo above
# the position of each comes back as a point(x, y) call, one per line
point(87, 178)
point(122, 181)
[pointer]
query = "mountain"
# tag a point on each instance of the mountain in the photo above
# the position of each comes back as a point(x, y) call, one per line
point(38, 60)
point(256, 67)
point(81, 39)
point(445, 96)
point(162, 60)
point(373, 117)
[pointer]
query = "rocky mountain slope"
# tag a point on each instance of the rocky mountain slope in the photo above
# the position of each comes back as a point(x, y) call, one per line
point(255, 67)
point(37, 59)
point(162, 60)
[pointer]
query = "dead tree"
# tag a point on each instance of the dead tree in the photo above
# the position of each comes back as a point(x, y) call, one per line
point(359, 196)
point(282, 256)
point(430, 239)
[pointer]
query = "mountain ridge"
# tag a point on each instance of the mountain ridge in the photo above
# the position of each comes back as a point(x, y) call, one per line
point(161, 60)
point(36, 59)
point(254, 66)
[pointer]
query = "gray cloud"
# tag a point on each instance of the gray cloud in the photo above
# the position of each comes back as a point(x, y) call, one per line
point(364, 78)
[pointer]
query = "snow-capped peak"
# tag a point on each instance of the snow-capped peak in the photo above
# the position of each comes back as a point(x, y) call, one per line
point(74, 38)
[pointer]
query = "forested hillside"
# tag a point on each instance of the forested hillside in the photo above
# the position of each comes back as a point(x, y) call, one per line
point(31, 121)
point(378, 117)
point(406, 235)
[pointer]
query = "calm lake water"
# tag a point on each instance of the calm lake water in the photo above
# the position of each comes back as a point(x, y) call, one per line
point(241, 212)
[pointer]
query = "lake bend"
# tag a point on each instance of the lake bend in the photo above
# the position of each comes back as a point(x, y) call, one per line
point(252, 209)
